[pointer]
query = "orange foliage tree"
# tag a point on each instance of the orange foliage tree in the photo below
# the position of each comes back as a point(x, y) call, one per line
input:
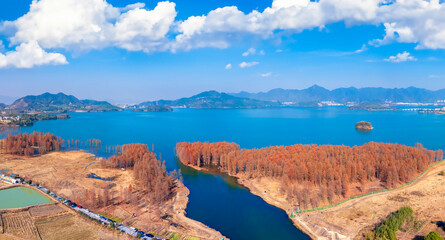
point(147, 169)
point(310, 174)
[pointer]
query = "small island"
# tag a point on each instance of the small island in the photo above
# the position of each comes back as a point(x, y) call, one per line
point(363, 126)
point(154, 108)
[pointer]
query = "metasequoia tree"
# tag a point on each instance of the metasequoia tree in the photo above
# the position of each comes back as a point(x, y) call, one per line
point(313, 173)
point(147, 169)
point(25, 144)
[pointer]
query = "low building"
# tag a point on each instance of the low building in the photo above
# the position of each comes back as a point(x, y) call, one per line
point(9, 180)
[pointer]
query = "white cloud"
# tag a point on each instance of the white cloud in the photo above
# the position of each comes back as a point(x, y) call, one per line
point(28, 55)
point(413, 21)
point(228, 66)
point(95, 24)
point(83, 25)
point(250, 51)
point(133, 6)
point(434, 76)
point(401, 57)
point(265, 75)
point(248, 64)
point(362, 49)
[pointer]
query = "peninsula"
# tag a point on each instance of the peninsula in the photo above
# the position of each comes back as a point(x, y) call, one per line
point(300, 177)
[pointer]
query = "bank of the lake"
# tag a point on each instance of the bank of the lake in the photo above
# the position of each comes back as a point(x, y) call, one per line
point(263, 191)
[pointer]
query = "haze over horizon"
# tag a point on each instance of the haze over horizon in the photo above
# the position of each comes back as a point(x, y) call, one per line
point(130, 51)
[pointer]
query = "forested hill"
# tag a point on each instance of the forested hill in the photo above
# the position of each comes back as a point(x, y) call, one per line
point(212, 99)
point(344, 95)
point(60, 102)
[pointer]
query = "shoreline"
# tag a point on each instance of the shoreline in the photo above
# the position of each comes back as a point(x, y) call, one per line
point(269, 200)
point(179, 207)
point(314, 231)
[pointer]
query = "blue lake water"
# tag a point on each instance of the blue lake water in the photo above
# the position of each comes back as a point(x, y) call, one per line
point(216, 200)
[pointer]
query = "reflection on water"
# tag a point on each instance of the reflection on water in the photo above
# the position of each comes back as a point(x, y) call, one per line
point(18, 197)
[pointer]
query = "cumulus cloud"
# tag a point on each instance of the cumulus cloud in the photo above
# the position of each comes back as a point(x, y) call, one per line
point(248, 64)
point(401, 57)
point(413, 21)
point(265, 75)
point(28, 55)
point(83, 25)
point(250, 51)
point(228, 66)
point(94, 24)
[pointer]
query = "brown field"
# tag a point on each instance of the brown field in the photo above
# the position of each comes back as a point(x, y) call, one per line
point(20, 224)
point(52, 221)
point(353, 219)
point(65, 173)
point(46, 210)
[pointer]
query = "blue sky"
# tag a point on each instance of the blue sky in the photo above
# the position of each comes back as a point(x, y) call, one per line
point(294, 47)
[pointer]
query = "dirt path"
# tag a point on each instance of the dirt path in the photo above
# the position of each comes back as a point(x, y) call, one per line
point(354, 218)
point(359, 200)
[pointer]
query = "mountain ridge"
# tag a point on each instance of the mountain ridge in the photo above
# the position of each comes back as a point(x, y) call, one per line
point(60, 102)
point(211, 99)
point(345, 95)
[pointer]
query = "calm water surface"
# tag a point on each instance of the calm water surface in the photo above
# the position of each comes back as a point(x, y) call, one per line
point(216, 200)
point(18, 197)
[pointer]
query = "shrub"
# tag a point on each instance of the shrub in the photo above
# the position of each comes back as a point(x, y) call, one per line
point(388, 229)
point(433, 236)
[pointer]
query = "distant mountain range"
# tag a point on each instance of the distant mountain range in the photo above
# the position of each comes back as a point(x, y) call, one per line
point(311, 96)
point(212, 99)
point(60, 102)
point(345, 95)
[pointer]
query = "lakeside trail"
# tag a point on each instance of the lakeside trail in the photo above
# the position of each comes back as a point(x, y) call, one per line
point(349, 219)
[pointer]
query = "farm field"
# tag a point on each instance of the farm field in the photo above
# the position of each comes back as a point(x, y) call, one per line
point(20, 224)
point(52, 221)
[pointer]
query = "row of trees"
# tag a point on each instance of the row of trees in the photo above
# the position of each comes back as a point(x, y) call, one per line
point(25, 144)
point(147, 169)
point(311, 174)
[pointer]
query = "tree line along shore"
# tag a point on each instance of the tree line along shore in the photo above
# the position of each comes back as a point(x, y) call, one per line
point(316, 175)
point(302, 177)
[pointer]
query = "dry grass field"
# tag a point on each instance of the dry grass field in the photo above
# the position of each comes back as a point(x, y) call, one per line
point(53, 221)
point(353, 219)
point(20, 224)
point(66, 174)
